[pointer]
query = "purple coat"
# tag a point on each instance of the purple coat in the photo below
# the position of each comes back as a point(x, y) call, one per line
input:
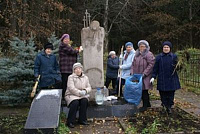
point(143, 64)
point(67, 57)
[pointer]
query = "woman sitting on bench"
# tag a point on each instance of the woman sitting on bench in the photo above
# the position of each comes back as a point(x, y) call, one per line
point(77, 96)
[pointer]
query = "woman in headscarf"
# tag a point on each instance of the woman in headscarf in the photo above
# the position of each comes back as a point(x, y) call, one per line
point(143, 64)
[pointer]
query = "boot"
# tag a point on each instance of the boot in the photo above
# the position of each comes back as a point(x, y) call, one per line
point(169, 110)
point(70, 125)
point(83, 123)
point(148, 104)
point(144, 107)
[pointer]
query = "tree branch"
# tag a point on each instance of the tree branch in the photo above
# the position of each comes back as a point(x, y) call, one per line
point(117, 16)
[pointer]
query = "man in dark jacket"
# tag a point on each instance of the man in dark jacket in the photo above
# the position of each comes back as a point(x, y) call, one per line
point(168, 81)
point(47, 67)
point(112, 69)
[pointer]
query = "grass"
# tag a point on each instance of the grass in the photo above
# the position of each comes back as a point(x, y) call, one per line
point(12, 124)
point(154, 96)
point(12, 121)
point(63, 129)
point(190, 87)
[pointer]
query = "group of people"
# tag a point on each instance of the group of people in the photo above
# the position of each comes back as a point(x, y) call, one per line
point(69, 76)
point(142, 61)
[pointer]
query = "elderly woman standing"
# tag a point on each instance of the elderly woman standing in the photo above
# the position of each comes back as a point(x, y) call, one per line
point(67, 57)
point(77, 95)
point(143, 64)
point(164, 71)
point(127, 60)
point(47, 67)
point(112, 69)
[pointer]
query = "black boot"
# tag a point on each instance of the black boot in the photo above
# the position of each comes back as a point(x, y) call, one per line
point(83, 123)
point(70, 125)
point(144, 107)
point(148, 104)
point(145, 100)
point(169, 110)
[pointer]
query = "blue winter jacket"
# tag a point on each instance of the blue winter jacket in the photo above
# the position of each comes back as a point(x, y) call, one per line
point(126, 64)
point(47, 67)
point(112, 67)
point(167, 78)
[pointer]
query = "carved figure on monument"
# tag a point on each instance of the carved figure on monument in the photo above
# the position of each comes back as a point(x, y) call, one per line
point(92, 40)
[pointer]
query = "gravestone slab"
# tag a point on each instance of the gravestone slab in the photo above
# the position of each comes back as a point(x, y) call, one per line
point(44, 113)
point(92, 40)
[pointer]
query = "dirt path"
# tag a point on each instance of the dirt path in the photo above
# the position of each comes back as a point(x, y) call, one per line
point(99, 126)
point(188, 101)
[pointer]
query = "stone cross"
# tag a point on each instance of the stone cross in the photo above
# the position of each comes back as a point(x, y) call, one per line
point(86, 16)
point(86, 19)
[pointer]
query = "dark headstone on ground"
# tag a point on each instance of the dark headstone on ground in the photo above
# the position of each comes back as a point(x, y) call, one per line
point(114, 108)
point(44, 113)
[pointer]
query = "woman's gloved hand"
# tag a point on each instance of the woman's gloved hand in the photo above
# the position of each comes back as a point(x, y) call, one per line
point(82, 92)
point(80, 49)
point(152, 80)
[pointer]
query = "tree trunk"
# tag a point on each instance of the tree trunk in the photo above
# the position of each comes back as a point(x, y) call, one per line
point(190, 18)
point(13, 17)
point(105, 25)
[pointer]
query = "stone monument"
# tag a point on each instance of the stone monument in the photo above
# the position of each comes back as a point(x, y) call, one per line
point(92, 40)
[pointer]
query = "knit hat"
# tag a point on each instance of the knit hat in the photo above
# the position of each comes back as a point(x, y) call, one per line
point(48, 45)
point(129, 44)
point(143, 42)
point(77, 65)
point(65, 36)
point(112, 53)
point(168, 43)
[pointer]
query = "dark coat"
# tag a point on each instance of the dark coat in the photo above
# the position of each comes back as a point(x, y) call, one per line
point(112, 67)
point(47, 67)
point(164, 69)
point(143, 64)
point(67, 58)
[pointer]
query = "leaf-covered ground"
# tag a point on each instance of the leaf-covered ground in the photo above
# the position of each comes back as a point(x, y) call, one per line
point(156, 120)
point(100, 126)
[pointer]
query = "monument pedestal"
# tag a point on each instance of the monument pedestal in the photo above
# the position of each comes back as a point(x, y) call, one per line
point(113, 108)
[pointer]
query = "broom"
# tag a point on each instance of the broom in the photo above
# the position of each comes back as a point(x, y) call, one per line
point(35, 87)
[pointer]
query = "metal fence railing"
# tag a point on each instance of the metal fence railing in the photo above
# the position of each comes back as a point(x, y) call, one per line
point(190, 74)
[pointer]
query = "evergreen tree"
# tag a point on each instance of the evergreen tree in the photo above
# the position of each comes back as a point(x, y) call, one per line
point(56, 42)
point(16, 72)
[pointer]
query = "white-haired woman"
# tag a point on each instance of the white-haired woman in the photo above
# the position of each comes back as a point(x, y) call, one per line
point(77, 95)
point(143, 63)
point(112, 69)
